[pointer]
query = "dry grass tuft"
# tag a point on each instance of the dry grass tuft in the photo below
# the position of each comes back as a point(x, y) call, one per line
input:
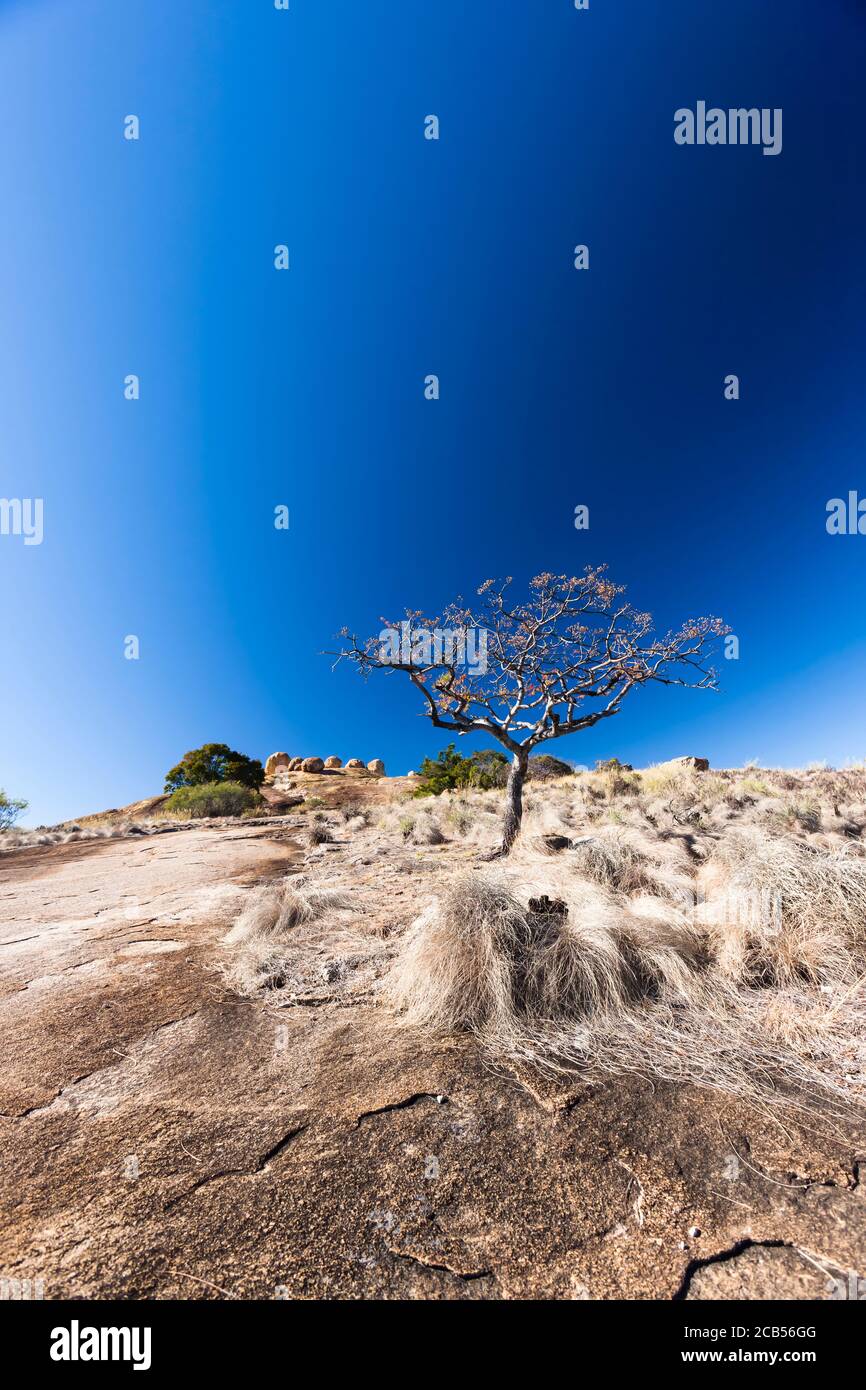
point(262, 935)
point(481, 958)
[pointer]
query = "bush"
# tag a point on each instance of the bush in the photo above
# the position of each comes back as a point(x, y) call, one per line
point(544, 768)
point(214, 762)
point(485, 769)
point(212, 799)
point(450, 771)
point(10, 810)
point(491, 769)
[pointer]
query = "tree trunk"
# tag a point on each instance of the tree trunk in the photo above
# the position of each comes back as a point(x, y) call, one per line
point(514, 801)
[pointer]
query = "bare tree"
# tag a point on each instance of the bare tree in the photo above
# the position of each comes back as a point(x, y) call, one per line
point(524, 673)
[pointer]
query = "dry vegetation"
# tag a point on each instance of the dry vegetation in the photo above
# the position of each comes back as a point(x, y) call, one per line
point(698, 926)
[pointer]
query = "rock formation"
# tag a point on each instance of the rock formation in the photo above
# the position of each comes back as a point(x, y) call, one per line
point(274, 763)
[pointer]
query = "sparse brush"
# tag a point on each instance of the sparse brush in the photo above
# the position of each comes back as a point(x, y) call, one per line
point(782, 911)
point(611, 861)
point(419, 828)
point(733, 958)
point(260, 941)
point(320, 835)
point(428, 833)
point(480, 959)
point(804, 815)
point(461, 817)
point(276, 909)
point(460, 963)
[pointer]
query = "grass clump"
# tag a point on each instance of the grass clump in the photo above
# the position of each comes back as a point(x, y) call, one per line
point(262, 938)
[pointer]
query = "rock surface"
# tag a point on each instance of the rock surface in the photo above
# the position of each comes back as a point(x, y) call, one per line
point(164, 1137)
point(696, 764)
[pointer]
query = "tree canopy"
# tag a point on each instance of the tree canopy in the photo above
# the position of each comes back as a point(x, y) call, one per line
point(214, 762)
point(526, 671)
point(10, 809)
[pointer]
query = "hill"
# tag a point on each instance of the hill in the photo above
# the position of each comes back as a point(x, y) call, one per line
point(212, 1089)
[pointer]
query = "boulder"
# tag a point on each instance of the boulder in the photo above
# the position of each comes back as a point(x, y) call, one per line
point(354, 762)
point(333, 762)
point(414, 775)
point(696, 764)
point(275, 761)
point(312, 765)
point(377, 767)
point(295, 764)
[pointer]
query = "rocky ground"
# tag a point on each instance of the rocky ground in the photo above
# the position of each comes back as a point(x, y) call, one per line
point(165, 1136)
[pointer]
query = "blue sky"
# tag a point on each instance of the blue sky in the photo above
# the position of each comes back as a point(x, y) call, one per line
point(411, 257)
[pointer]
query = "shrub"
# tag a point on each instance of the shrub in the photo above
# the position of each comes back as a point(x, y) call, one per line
point(449, 771)
point(544, 768)
point(10, 809)
point(490, 769)
point(212, 799)
point(214, 762)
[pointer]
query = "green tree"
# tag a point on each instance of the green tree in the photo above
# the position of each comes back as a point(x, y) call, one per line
point(214, 762)
point(449, 770)
point(10, 809)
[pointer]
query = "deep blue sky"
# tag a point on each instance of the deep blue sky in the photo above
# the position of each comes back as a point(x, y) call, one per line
point(409, 257)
